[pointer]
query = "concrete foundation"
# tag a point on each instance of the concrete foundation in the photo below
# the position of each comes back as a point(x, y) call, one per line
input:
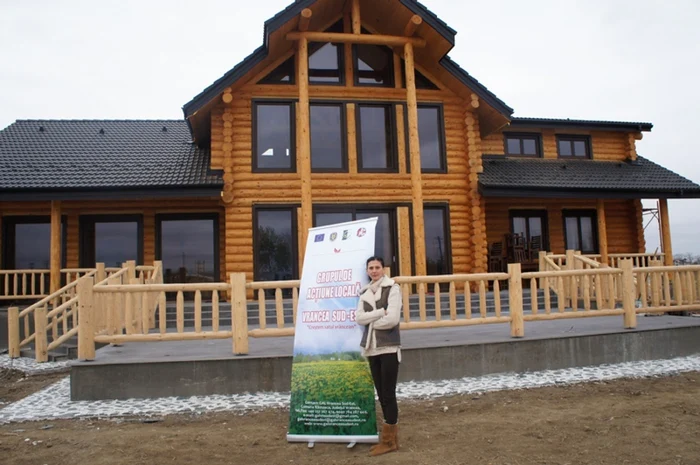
point(148, 370)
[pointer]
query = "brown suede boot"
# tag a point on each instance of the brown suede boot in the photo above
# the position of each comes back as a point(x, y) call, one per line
point(389, 441)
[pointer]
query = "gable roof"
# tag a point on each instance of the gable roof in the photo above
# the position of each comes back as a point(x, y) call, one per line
point(61, 159)
point(528, 177)
point(281, 18)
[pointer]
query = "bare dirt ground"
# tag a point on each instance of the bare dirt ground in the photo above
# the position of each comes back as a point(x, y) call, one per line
point(642, 421)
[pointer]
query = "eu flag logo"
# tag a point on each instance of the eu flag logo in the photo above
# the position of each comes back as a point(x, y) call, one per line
point(319, 237)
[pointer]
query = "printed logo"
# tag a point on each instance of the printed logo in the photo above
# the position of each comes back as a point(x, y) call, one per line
point(361, 232)
point(346, 234)
point(336, 250)
point(319, 237)
point(334, 236)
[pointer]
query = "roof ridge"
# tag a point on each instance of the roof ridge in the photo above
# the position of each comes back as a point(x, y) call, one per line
point(101, 120)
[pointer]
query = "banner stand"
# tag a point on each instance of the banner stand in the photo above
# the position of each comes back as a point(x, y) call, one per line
point(332, 395)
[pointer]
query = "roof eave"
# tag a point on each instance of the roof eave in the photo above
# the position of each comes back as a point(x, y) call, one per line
point(558, 192)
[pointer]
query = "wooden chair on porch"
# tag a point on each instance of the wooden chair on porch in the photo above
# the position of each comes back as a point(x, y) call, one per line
point(497, 262)
point(535, 248)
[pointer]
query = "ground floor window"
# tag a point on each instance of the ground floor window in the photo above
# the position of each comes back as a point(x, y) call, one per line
point(531, 225)
point(437, 245)
point(110, 239)
point(580, 230)
point(275, 243)
point(27, 242)
point(188, 245)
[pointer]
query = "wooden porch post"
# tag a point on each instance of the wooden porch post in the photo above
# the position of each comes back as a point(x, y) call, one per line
point(416, 178)
point(665, 232)
point(55, 251)
point(602, 231)
point(304, 149)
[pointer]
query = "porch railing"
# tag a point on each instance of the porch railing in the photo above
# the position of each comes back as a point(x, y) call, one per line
point(140, 308)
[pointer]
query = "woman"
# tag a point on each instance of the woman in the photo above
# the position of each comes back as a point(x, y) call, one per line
point(379, 311)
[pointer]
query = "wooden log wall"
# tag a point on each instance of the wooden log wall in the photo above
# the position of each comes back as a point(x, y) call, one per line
point(605, 145)
point(72, 210)
point(624, 224)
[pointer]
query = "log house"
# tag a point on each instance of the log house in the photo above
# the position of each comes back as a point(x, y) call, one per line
point(348, 110)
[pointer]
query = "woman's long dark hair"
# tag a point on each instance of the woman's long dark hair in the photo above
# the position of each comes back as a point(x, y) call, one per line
point(375, 259)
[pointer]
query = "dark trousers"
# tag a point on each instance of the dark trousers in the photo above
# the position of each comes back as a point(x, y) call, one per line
point(385, 371)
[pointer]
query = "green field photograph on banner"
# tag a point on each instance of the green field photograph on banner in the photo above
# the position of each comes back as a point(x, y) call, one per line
point(332, 395)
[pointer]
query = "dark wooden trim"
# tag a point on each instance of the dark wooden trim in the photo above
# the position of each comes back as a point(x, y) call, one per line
point(86, 236)
point(292, 135)
point(389, 106)
point(579, 213)
point(524, 135)
point(572, 138)
point(343, 135)
point(295, 236)
point(531, 212)
point(160, 217)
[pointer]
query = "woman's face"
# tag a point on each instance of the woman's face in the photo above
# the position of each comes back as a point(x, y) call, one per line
point(375, 270)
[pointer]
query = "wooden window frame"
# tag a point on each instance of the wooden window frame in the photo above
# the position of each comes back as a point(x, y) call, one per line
point(571, 139)
point(343, 135)
point(292, 135)
point(445, 207)
point(160, 217)
point(295, 239)
point(578, 214)
point(537, 137)
point(86, 234)
point(441, 139)
point(527, 214)
point(391, 108)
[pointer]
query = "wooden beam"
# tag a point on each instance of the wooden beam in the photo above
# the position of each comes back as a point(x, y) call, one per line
point(666, 246)
point(55, 250)
point(602, 231)
point(305, 19)
point(356, 19)
point(414, 150)
point(304, 148)
point(371, 39)
point(412, 25)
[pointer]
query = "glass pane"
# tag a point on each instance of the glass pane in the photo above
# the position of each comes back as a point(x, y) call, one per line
point(384, 245)
point(579, 148)
point(564, 148)
point(572, 242)
point(324, 65)
point(326, 137)
point(436, 247)
point(422, 82)
point(274, 254)
point(187, 250)
point(587, 238)
point(375, 65)
point(375, 137)
point(430, 137)
point(513, 146)
point(283, 74)
point(529, 147)
point(324, 219)
point(32, 246)
point(519, 226)
point(274, 136)
point(535, 226)
point(116, 243)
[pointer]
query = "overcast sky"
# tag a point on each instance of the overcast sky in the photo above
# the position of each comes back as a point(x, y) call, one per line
point(596, 59)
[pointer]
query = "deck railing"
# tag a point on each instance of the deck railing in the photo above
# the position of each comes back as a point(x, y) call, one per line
point(133, 306)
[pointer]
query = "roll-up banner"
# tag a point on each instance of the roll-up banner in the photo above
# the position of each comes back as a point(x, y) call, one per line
point(332, 396)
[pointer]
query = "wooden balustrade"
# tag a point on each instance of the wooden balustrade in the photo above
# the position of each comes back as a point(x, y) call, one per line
point(24, 284)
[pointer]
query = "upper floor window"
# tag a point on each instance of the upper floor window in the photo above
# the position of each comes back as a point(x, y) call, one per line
point(574, 146)
point(527, 145)
point(328, 137)
point(283, 74)
point(374, 65)
point(376, 130)
point(326, 60)
point(431, 135)
point(273, 141)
